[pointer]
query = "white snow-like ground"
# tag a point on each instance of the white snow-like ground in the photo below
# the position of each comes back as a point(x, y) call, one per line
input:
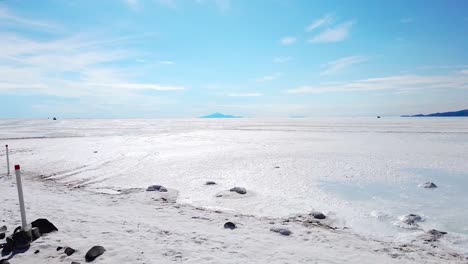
point(363, 173)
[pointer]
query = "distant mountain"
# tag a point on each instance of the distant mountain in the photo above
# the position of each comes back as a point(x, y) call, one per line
point(219, 115)
point(444, 114)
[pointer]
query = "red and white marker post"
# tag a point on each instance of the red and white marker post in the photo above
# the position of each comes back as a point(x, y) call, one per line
point(19, 184)
point(7, 160)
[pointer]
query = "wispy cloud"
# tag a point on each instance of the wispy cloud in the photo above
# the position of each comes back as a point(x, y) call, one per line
point(71, 66)
point(327, 19)
point(288, 40)
point(245, 94)
point(334, 34)
point(282, 59)
point(406, 20)
point(167, 62)
point(269, 77)
point(398, 83)
point(9, 18)
point(341, 64)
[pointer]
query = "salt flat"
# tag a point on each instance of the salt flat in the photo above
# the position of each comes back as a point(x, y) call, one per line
point(362, 172)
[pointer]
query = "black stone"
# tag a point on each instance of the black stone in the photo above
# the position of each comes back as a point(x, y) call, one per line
point(4, 261)
point(238, 190)
point(230, 225)
point(2, 235)
point(282, 231)
point(317, 215)
point(59, 248)
point(74, 262)
point(37, 251)
point(210, 183)
point(411, 219)
point(157, 188)
point(44, 225)
point(94, 252)
point(3, 229)
point(429, 185)
point(69, 251)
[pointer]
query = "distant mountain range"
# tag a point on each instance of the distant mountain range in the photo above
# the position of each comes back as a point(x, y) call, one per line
point(219, 115)
point(444, 114)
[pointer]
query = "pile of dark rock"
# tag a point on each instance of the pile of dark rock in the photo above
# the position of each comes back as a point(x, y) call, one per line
point(21, 240)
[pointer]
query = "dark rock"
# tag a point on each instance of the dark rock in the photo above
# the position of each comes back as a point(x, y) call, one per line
point(74, 262)
point(230, 225)
point(94, 252)
point(317, 215)
point(156, 188)
point(282, 231)
point(433, 235)
point(4, 261)
point(35, 233)
point(277, 167)
point(95, 151)
point(2, 235)
point(59, 248)
point(411, 219)
point(210, 183)
point(69, 251)
point(44, 225)
point(238, 190)
point(37, 251)
point(3, 229)
point(429, 185)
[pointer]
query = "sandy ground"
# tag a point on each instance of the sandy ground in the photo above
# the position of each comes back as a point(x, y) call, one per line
point(139, 227)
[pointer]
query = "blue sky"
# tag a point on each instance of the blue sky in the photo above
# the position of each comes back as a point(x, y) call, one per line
point(187, 58)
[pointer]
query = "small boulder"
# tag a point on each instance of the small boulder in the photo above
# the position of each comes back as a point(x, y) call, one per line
point(2, 235)
point(282, 231)
point(428, 185)
point(238, 190)
point(69, 251)
point(3, 228)
point(411, 219)
point(317, 215)
point(37, 251)
point(4, 261)
point(230, 225)
point(44, 225)
point(74, 262)
point(59, 248)
point(94, 252)
point(156, 188)
point(210, 183)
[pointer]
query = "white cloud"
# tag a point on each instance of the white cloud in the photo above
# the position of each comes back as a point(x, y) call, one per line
point(9, 18)
point(406, 20)
point(334, 34)
point(282, 59)
point(288, 40)
point(397, 83)
point(72, 66)
point(269, 77)
point(245, 94)
point(167, 62)
point(327, 19)
point(343, 63)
